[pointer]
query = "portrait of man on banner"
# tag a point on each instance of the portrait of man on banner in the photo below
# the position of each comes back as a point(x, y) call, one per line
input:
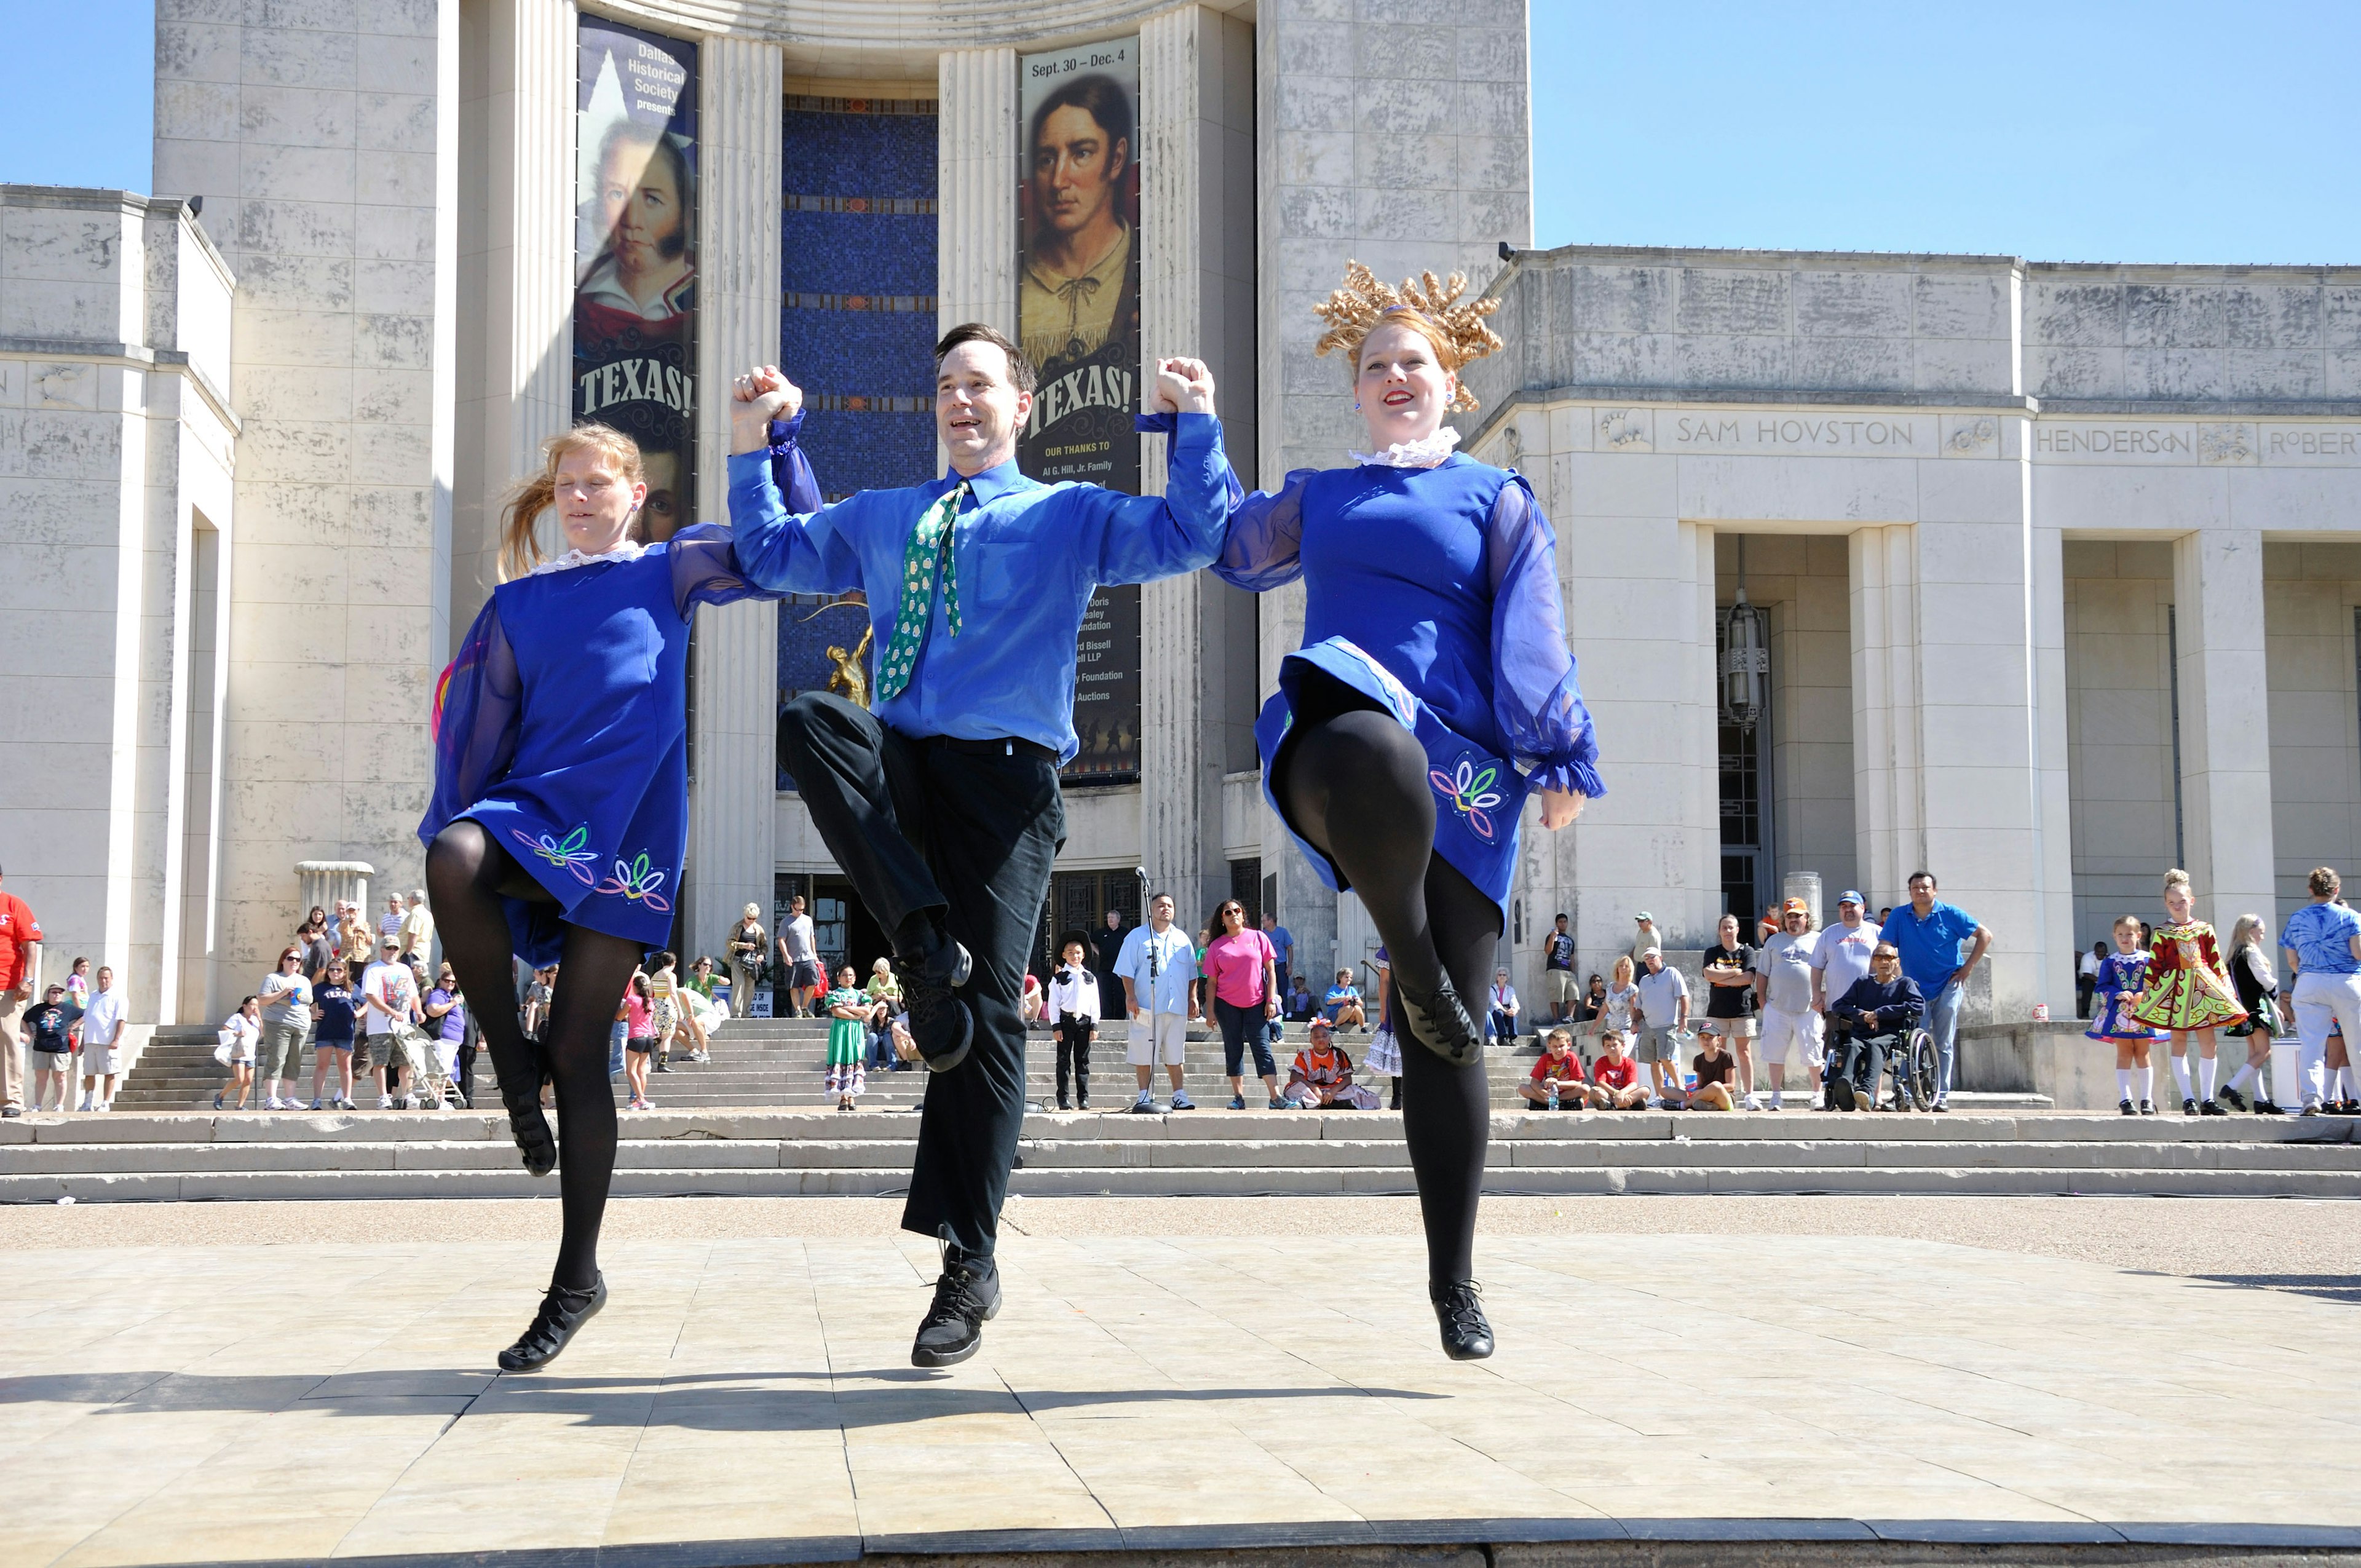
point(1078, 278)
point(635, 257)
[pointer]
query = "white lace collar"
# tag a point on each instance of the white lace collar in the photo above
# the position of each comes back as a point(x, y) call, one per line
point(629, 550)
point(1421, 454)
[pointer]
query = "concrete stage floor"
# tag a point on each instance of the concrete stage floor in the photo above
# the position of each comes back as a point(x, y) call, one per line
point(1269, 1385)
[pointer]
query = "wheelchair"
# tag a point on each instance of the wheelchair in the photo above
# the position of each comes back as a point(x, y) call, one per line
point(1911, 1062)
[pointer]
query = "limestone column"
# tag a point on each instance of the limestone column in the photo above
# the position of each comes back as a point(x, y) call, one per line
point(1181, 752)
point(2226, 741)
point(1888, 805)
point(515, 390)
point(733, 693)
point(976, 231)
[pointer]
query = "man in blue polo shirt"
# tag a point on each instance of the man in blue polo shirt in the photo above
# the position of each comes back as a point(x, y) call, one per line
point(1928, 934)
point(2323, 943)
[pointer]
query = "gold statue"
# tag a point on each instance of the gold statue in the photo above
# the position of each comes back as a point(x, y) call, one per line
point(850, 679)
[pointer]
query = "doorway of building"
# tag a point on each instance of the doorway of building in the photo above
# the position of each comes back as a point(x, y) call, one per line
point(844, 930)
point(1079, 902)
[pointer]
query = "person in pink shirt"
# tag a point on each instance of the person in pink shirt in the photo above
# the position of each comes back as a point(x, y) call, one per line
point(1243, 970)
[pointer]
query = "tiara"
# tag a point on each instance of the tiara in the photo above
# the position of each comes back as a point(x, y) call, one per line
point(1360, 307)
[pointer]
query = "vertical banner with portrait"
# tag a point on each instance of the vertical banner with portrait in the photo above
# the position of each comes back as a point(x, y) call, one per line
point(1078, 261)
point(635, 255)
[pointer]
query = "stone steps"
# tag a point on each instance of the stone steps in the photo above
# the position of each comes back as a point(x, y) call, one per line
point(126, 1156)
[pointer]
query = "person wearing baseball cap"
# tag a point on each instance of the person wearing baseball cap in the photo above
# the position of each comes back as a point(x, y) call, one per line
point(1783, 976)
point(1843, 953)
point(1646, 935)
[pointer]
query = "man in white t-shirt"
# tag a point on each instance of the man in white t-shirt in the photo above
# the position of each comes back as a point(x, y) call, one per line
point(388, 1018)
point(102, 1037)
point(1784, 977)
point(1842, 955)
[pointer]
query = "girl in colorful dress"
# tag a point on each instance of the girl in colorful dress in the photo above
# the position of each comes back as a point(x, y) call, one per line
point(849, 1010)
point(560, 810)
point(1433, 695)
point(2187, 993)
point(2122, 976)
point(2258, 992)
point(1384, 1056)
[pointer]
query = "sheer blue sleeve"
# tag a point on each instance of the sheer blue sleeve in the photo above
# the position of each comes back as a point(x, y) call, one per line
point(704, 569)
point(478, 704)
point(786, 539)
point(1535, 701)
point(1265, 547)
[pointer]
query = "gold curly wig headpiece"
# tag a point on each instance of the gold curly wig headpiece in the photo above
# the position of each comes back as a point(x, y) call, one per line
point(1457, 330)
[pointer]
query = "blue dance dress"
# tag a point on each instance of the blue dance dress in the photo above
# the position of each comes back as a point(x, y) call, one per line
point(562, 727)
point(1433, 592)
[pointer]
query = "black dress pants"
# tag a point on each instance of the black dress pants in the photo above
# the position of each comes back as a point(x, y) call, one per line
point(1075, 1056)
point(965, 833)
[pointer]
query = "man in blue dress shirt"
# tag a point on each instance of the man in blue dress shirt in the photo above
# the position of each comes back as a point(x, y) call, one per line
point(942, 804)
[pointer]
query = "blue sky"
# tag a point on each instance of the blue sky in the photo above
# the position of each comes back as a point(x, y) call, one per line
point(2157, 131)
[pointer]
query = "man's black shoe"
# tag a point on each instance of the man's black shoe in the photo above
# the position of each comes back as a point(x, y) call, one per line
point(940, 1025)
point(1459, 1310)
point(1439, 1021)
point(1839, 1095)
point(967, 1297)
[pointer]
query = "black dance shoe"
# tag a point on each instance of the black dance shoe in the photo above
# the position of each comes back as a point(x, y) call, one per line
point(1440, 1022)
point(528, 1126)
point(2228, 1094)
point(562, 1313)
point(1459, 1309)
point(967, 1297)
point(940, 1025)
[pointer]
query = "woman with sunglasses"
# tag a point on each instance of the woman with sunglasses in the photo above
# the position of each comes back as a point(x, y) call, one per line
point(1241, 971)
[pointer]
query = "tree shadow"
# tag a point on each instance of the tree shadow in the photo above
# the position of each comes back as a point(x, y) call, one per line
point(714, 1401)
point(2327, 1286)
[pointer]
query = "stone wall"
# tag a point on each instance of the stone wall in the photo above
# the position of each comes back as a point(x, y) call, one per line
point(311, 129)
point(2183, 334)
point(115, 515)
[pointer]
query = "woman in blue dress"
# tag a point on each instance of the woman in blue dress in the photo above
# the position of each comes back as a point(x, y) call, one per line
point(561, 807)
point(1433, 695)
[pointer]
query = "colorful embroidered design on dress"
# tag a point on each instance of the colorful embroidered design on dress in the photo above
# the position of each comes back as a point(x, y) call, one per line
point(638, 882)
point(1468, 788)
point(571, 853)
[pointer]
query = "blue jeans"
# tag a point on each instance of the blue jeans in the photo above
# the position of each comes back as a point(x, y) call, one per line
point(615, 1049)
point(1943, 1022)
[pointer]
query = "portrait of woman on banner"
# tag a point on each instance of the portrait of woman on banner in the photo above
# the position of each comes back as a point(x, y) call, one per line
point(635, 306)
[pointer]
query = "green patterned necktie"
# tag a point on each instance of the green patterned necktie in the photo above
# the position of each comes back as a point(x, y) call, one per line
point(927, 555)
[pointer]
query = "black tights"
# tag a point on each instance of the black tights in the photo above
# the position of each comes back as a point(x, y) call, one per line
point(467, 875)
point(1354, 782)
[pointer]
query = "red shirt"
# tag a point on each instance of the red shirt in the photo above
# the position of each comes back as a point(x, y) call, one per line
point(1566, 1069)
point(19, 930)
point(1614, 1075)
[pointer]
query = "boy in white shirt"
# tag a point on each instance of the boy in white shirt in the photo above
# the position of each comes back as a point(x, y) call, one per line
point(1074, 1006)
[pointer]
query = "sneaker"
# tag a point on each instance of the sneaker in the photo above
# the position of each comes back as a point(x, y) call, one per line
point(1181, 1102)
point(2188, 1106)
point(2208, 1108)
point(2229, 1095)
point(217, 1100)
point(967, 1297)
point(86, 1102)
point(1238, 1102)
point(2128, 1109)
point(941, 1024)
point(319, 1104)
point(1145, 1104)
point(1279, 1104)
point(1940, 1106)
point(385, 1102)
point(275, 1104)
point(1753, 1103)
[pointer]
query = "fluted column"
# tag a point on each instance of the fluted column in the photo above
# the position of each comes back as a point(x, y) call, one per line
point(732, 818)
point(1889, 807)
point(976, 232)
point(524, 395)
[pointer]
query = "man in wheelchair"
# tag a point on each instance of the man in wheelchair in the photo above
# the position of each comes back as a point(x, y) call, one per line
point(1874, 1022)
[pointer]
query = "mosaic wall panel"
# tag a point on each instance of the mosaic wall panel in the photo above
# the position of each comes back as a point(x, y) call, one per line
point(857, 327)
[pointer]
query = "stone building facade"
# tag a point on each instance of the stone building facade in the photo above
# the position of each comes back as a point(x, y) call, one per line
point(2060, 562)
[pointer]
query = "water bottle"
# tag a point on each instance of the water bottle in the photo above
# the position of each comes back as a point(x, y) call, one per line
point(1553, 1099)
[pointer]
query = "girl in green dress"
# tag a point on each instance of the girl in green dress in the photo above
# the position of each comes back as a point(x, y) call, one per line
point(848, 1010)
